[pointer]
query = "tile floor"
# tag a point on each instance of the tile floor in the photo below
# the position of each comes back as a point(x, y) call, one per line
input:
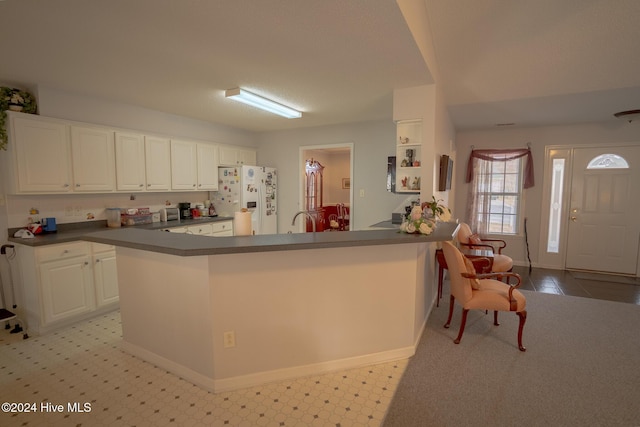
point(562, 282)
point(84, 364)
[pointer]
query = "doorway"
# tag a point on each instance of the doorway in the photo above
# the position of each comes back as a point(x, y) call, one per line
point(337, 160)
point(603, 230)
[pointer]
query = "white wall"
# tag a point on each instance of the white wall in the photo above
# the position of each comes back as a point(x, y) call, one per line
point(69, 106)
point(373, 143)
point(539, 137)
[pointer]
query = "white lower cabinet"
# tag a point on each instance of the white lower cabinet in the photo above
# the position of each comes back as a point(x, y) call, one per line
point(105, 274)
point(67, 282)
point(213, 229)
point(67, 288)
point(200, 230)
point(222, 228)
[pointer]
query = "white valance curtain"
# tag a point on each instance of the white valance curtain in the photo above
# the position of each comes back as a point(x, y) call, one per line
point(479, 175)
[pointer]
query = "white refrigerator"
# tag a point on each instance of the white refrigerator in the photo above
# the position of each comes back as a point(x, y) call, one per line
point(251, 187)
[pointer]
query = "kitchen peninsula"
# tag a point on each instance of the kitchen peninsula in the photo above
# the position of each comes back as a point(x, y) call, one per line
point(234, 312)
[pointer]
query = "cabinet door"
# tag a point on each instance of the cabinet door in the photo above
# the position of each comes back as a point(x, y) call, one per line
point(207, 167)
point(67, 288)
point(247, 157)
point(42, 155)
point(93, 154)
point(157, 163)
point(183, 165)
point(233, 156)
point(130, 163)
point(105, 274)
point(228, 156)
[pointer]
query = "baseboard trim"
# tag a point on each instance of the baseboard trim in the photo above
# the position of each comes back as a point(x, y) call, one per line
point(259, 378)
point(313, 369)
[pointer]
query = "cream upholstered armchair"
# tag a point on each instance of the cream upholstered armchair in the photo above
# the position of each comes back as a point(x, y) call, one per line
point(481, 292)
point(501, 263)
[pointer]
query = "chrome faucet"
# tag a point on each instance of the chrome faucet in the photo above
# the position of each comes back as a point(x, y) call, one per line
point(308, 214)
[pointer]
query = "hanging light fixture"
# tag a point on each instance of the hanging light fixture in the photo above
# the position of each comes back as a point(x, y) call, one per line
point(629, 115)
point(241, 95)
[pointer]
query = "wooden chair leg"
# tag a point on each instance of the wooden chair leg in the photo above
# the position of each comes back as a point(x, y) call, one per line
point(523, 318)
point(462, 323)
point(495, 318)
point(451, 301)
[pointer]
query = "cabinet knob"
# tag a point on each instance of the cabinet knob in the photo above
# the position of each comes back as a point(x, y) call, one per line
point(141, 185)
point(97, 261)
point(66, 185)
point(194, 185)
point(77, 185)
point(86, 263)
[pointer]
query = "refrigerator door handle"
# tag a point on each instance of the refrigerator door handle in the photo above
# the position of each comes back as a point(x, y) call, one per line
point(259, 209)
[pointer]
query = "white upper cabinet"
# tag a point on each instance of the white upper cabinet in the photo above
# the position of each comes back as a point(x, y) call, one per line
point(184, 165)
point(130, 162)
point(235, 156)
point(42, 160)
point(47, 155)
point(158, 163)
point(207, 167)
point(93, 156)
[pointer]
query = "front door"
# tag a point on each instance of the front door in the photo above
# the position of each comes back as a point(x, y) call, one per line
point(603, 216)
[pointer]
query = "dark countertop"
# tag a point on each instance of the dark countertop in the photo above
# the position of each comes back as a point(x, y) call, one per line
point(193, 245)
point(76, 231)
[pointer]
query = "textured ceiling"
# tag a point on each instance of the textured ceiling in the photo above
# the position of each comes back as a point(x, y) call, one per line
point(542, 62)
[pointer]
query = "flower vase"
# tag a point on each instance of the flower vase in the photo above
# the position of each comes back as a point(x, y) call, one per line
point(15, 107)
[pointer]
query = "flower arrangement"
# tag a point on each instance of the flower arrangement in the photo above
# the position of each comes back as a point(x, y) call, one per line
point(438, 211)
point(16, 100)
point(416, 222)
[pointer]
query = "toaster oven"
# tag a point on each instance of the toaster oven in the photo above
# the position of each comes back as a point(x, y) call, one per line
point(169, 214)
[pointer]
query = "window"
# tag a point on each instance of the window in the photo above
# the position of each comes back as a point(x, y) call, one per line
point(499, 195)
point(608, 161)
point(555, 208)
point(496, 195)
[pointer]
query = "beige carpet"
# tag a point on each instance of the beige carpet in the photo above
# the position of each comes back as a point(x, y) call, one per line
point(581, 368)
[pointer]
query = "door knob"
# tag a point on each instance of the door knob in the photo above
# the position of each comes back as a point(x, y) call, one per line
point(574, 218)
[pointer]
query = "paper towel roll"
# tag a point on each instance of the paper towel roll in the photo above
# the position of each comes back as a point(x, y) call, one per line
point(242, 224)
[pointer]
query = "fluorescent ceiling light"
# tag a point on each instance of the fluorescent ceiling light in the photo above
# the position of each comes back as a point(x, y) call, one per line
point(254, 100)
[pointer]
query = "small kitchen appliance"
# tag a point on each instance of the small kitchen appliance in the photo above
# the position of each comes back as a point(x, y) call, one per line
point(169, 214)
point(185, 210)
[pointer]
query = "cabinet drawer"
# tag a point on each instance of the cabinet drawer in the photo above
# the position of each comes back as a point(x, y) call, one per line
point(203, 229)
point(223, 233)
point(222, 226)
point(63, 251)
point(101, 247)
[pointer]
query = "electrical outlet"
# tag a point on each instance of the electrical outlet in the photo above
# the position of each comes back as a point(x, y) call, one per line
point(229, 339)
point(362, 192)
